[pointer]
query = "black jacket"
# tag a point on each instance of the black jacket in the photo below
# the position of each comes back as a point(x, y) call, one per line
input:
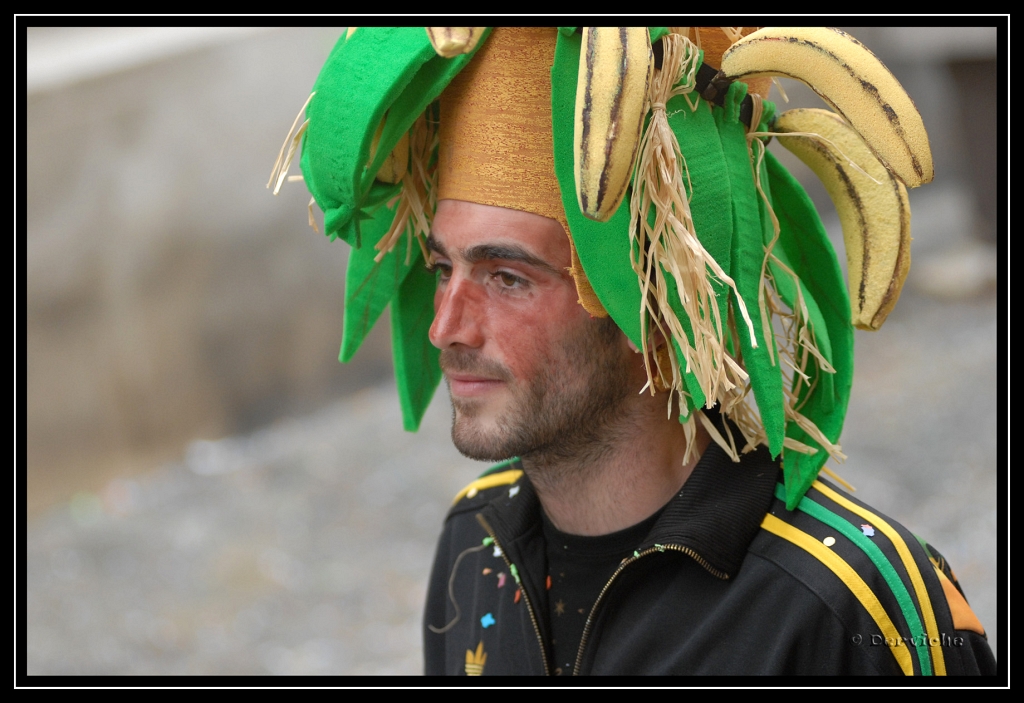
point(727, 582)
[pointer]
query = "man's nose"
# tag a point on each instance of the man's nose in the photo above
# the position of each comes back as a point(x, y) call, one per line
point(456, 316)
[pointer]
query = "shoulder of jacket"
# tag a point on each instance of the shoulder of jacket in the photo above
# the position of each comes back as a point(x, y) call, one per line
point(872, 571)
point(487, 485)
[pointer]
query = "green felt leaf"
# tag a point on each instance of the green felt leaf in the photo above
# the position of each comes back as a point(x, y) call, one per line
point(430, 80)
point(697, 398)
point(376, 71)
point(809, 253)
point(747, 256)
point(371, 285)
point(352, 229)
point(363, 75)
point(787, 291)
point(709, 187)
point(417, 367)
point(701, 147)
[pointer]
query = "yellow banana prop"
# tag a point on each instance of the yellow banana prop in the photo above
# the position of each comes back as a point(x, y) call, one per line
point(849, 78)
point(616, 64)
point(449, 42)
point(875, 214)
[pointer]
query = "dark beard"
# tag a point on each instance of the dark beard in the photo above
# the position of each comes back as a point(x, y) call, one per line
point(565, 413)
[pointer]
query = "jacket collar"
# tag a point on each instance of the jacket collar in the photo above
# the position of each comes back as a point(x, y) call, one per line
point(719, 509)
point(714, 516)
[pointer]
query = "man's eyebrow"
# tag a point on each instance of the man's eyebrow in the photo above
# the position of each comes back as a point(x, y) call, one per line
point(434, 245)
point(480, 253)
point(508, 252)
point(487, 252)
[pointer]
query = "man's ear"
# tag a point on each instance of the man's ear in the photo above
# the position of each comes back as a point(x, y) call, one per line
point(657, 339)
point(655, 343)
point(660, 352)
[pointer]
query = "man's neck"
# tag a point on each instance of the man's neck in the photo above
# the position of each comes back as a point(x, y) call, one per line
point(628, 470)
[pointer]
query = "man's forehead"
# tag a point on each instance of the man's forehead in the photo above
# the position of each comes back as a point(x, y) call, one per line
point(476, 232)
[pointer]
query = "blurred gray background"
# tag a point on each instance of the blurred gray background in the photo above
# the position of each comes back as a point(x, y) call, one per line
point(211, 492)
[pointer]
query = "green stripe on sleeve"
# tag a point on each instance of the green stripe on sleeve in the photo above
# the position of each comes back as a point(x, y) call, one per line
point(878, 558)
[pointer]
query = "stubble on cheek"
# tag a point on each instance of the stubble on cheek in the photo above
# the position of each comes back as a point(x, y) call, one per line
point(562, 408)
point(483, 427)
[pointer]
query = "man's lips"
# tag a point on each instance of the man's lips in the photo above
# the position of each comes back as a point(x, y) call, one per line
point(472, 375)
point(468, 385)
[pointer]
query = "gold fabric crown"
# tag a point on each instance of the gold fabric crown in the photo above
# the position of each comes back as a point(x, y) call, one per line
point(496, 146)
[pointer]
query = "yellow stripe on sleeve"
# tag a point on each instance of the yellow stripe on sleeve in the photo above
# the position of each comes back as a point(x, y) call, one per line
point(502, 478)
point(927, 613)
point(851, 578)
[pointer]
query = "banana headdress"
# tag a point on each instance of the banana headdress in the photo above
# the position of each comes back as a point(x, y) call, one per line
point(649, 148)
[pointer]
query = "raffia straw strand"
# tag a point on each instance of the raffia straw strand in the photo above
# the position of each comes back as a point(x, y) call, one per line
point(669, 247)
point(813, 135)
point(798, 335)
point(292, 148)
point(797, 321)
point(312, 220)
point(417, 196)
point(766, 327)
point(728, 446)
point(798, 446)
point(690, 434)
point(838, 479)
point(757, 104)
point(733, 34)
point(684, 31)
point(287, 139)
point(782, 91)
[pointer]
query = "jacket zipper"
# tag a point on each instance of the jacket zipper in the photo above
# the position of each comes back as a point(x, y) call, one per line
point(626, 562)
point(526, 599)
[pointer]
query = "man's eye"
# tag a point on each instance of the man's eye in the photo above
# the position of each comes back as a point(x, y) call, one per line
point(441, 269)
point(509, 280)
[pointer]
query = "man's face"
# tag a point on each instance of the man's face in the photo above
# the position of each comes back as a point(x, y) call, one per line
point(528, 369)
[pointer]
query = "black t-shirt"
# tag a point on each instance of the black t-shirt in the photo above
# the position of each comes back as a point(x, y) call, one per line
point(578, 568)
